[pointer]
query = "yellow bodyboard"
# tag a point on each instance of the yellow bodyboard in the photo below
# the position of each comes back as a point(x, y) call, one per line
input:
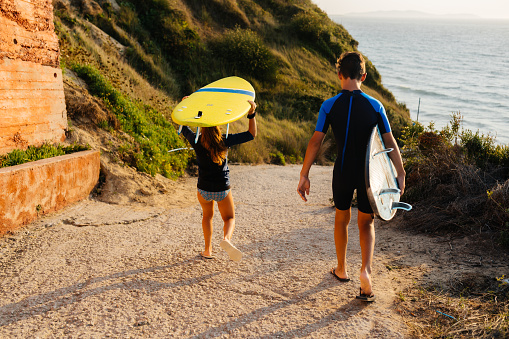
point(219, 103)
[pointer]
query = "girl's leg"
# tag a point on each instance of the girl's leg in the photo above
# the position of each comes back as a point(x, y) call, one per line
point(341, 240)
point(206, 223)
point(227, 210)
point(367, 242)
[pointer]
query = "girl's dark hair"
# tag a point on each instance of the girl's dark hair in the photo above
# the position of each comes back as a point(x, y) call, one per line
point(351, 65)
point(212, 140)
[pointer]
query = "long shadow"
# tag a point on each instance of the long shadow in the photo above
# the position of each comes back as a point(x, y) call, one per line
point(62, 297)
point(259, 313)
point(281, 260)
point(353, 307)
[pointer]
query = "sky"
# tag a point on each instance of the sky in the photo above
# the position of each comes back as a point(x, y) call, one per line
point(489, 9)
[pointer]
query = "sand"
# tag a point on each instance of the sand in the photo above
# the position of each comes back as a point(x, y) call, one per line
point(99, 270)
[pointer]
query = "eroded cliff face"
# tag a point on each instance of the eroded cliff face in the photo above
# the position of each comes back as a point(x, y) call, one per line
point(27, 32)
point(32, 103)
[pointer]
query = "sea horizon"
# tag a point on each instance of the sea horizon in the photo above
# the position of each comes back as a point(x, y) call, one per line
point(439, 67)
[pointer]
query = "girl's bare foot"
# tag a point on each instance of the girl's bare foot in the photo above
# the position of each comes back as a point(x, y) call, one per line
point(341, 276)
point(232, 251)
point(207, 254)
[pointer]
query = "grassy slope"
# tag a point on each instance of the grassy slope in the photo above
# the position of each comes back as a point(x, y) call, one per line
point(286, 49)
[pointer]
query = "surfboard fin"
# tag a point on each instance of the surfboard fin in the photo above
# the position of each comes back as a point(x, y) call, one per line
point(389, 191)
point(180, 129)
point(227, 129)
point(384, 151)
point(197, 134)
point(401, 206)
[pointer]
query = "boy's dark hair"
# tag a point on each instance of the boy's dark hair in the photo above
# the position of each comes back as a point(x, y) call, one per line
point(351, 65)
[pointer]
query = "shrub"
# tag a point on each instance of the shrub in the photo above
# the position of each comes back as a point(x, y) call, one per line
point(277, 158)
point(224, 13)
point(374, 81)
point(482, 150)
point(316, 30)
point(167, 25)
point(152, 133)
point(246, 53)
point(448, 174)
point(310, 27)
point(34, 153)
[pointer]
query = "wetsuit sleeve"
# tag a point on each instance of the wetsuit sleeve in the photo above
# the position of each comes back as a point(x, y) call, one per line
point(189, 135)
point(238, 138)
point(383, 121)
point(322, 125)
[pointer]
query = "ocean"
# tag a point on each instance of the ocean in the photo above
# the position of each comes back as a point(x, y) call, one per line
point(449, 65)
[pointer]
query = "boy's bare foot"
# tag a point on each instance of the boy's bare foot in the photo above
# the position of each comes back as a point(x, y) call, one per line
point(365, 297)
point(366, 287)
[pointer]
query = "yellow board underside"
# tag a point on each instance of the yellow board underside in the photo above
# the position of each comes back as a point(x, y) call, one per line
point(217, 108)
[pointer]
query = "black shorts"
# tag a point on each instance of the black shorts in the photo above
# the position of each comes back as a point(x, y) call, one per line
point(344, 184)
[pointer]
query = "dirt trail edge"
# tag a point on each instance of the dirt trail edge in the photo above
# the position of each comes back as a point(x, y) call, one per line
point(101, 270)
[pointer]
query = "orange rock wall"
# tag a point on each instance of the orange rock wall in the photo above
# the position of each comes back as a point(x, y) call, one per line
point(32, 103)
point(32, 189)
point(27, 32)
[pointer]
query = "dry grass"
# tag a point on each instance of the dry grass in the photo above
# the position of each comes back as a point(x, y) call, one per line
point(450, 193)
point(288, 137)
point(477, 307)
point(83, 48)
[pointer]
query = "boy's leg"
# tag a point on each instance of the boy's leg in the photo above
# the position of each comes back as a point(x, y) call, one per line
point(227, 210)
point(341, 222)
point(367, 242)
point(206, 223)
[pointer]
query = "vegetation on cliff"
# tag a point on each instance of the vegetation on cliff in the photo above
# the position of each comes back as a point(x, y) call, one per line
point(154, 52)
point(457, 181)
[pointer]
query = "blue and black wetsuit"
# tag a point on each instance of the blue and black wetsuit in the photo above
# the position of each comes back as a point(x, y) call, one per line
point(352, 116)
point(211, 176)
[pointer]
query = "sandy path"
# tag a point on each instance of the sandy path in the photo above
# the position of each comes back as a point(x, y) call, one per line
point(98, 270)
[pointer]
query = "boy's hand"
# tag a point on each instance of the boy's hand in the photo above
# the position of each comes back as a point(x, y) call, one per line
point(401, 183)
point(303, 187)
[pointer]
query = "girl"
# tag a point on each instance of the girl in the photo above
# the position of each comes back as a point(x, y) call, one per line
point(214, 179)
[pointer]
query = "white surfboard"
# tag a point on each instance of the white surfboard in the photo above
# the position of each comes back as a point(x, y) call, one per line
point(381, 182)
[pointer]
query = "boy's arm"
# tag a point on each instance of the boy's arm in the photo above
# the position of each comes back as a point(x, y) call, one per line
point(311, 153)
point(395, 156)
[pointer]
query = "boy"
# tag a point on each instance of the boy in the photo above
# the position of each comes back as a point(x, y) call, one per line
point(352, 115)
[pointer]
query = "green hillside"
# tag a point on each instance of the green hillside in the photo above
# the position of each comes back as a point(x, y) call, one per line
point(140, 57)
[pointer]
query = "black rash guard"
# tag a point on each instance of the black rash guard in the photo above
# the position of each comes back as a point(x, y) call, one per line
point(352, 116)
point(211, 176)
